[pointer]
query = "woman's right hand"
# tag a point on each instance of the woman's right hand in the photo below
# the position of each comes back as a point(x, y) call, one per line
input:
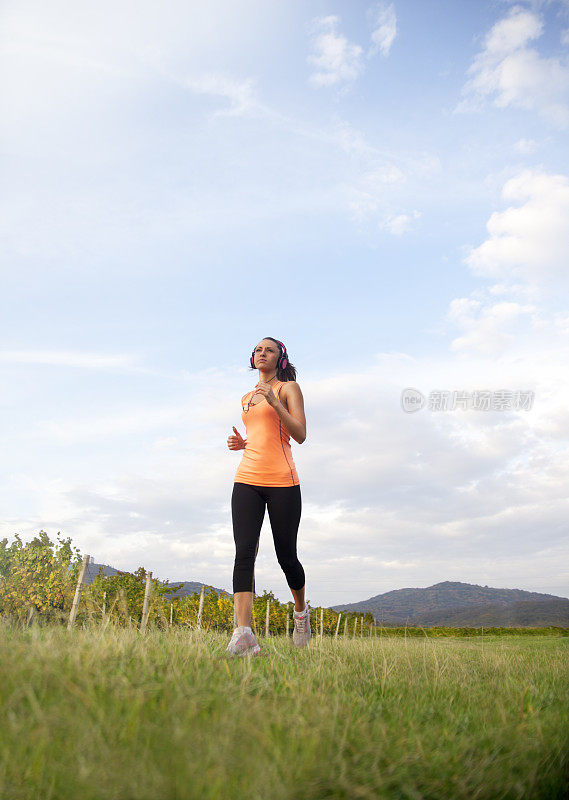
point(236, 442)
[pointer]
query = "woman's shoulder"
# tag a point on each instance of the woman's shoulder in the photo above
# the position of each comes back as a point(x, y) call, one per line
point(289, 386)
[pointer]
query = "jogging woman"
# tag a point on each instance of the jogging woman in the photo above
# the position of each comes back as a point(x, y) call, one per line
point(266, 477)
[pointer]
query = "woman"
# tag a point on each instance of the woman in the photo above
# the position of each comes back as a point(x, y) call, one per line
point(272, 412)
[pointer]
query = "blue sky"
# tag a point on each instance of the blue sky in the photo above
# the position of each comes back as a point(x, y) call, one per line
point(382, 186)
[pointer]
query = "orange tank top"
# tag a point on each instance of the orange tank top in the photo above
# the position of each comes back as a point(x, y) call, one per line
point(267, 457)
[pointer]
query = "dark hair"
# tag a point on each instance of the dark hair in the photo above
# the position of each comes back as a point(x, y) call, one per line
point(286, 374)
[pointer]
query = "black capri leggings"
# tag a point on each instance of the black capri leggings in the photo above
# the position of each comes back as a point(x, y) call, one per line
point(248, 510)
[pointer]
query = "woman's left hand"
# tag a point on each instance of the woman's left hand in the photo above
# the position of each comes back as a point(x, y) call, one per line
point(267, 390)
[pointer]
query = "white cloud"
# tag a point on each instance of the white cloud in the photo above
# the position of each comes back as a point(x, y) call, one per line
point(513, 290)
point(397, 224)
point(86, 429)
point(70, 64)
point(380, 176)
point(240, 93)
point(526, 146)
point(384, 21)
point(336, 60)
point(368, 195)
point(514, 74)
point(489, 328)
point(528, 241)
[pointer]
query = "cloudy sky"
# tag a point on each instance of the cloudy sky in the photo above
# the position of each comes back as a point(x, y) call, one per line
point(382, 186)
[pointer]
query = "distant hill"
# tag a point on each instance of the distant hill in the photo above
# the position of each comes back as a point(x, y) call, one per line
point(186, 587)
point(464, 604)
point(521, 614)
point(93, 569)
point(190, 587)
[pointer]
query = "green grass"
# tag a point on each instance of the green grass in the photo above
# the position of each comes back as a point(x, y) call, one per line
point(113, 714)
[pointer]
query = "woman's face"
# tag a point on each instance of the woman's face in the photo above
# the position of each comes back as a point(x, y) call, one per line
point(267, 355)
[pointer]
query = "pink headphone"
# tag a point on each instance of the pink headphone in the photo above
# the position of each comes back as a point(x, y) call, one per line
point(283, 360)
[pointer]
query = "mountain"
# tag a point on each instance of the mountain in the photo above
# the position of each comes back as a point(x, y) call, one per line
point(190, 587)
point(186, 587)
point(93, 569)
point(465, 605)
point(520, 614)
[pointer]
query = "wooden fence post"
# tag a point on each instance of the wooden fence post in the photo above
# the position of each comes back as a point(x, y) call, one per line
point(346, 627)
point(147, 589)
point(171, 614)
point(361, 626)
point(355, 625)
point(104, 605)
point(234, 613)
point(267, 617)
point(200, 609)
point(107, 617)
point(338, 625)
point(31, 615)
point(123, 605)
point(73, 613)
point(321, 622)
point(287, 621)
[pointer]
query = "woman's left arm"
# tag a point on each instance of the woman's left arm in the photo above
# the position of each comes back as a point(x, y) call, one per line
point(294, 419)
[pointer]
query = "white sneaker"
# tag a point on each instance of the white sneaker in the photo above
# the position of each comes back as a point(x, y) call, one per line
point(243, 642)
point(301, 633)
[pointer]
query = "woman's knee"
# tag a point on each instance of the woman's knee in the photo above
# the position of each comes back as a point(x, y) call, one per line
point(243, 575)
point(244, 559)
point(291, 567)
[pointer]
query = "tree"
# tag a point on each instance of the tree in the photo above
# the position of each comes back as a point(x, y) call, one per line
point(125, 591)
point(40, 573)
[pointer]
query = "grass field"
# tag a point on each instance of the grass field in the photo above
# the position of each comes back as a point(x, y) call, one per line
point(112, 714)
